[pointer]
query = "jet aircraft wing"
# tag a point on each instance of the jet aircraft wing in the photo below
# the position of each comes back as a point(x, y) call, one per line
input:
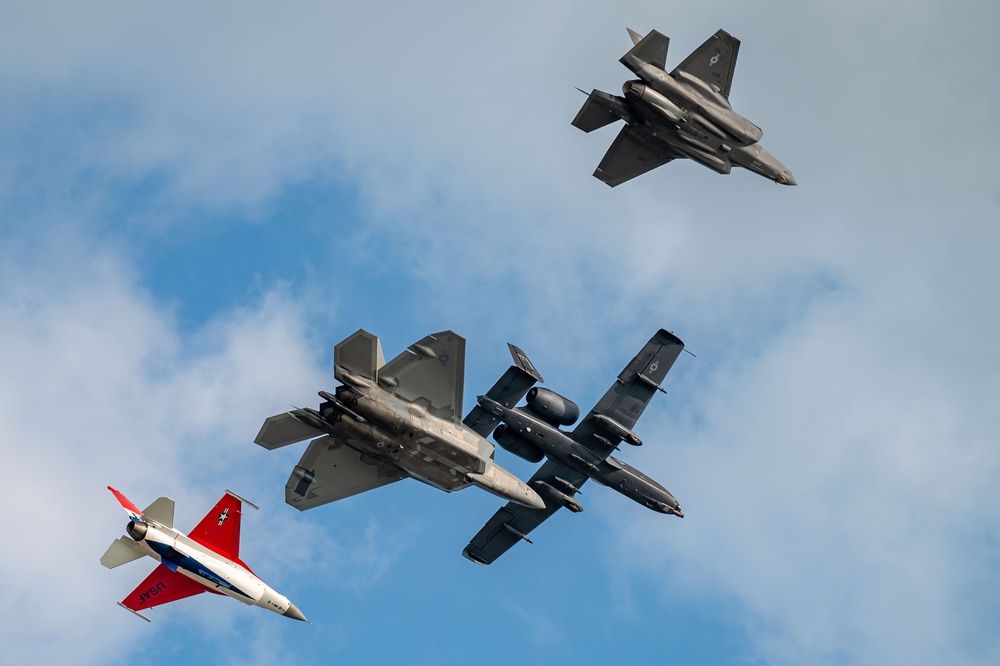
point(713, 62)
point(430, 372)
point(514, 522)
point(219, 530)
point(612, 418)
point(508, 391)
point(161, 587)
point(629, 157)
point(330, 470)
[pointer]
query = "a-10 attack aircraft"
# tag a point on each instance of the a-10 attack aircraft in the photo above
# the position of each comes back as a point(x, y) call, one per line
point(390, 421)
point(206, 560)
point(532, 432)
point(685, 113)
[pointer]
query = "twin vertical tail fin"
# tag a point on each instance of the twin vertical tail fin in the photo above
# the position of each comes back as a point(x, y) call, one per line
point(651, 49)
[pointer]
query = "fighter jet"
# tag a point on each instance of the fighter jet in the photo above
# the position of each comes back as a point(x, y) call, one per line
point(685, 113)
point(533, 432)
point(207, 560)
point(390, 421)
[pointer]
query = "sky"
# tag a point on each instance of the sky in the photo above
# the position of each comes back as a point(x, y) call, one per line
point(197, 202)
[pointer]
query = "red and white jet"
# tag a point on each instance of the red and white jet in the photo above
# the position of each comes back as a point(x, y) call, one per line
point(207, 560)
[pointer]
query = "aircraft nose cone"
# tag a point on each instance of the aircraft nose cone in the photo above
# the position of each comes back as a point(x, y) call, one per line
point(786, 178)
point(294, 613)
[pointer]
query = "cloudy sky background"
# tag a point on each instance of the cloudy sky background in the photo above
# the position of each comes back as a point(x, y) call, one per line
point(197, 203)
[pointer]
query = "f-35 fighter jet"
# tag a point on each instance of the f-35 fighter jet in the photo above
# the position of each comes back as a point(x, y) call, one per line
point(685, 113)
point(390, 421)
point(532, 432)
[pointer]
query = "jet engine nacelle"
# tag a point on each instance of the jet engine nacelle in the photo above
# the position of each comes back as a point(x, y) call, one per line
point(517, 445)
point(552, 407)
point(137, 530)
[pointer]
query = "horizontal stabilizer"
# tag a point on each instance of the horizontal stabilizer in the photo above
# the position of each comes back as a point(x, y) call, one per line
point(508, 391)
point(121, 551)
point(596, 112)
point(161, 511)
point(282, 430)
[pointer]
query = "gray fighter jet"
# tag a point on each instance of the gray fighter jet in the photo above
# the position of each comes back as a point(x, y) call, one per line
point(390, 421)
point(685, 113)
point(532, 432)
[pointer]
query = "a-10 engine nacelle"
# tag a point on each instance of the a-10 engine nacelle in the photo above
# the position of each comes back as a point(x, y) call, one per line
point(517, 445)
point(552, 407)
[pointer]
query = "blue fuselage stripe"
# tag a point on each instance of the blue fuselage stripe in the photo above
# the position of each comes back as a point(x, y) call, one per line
point(171, 558)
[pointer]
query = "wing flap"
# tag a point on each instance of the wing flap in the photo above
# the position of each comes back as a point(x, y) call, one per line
point(629, 157)
point(329, 470)
point(714, 62)
point(161, 587)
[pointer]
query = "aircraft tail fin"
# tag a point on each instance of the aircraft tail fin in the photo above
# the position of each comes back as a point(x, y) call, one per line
point(121, 551)
point(131, 509)
point(634, 36)
point(596, 112)
point(359, 354)
point(651, 49)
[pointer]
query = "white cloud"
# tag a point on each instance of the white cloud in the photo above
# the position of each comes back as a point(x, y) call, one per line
point(98, 388)
point(836, 462)
point(833, 486)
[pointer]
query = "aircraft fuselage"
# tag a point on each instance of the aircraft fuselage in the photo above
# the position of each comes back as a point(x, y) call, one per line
point(437, 451)
point(215, 572)
point(609, 471)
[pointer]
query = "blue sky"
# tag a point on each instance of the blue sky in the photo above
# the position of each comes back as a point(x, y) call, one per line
point(197, 203)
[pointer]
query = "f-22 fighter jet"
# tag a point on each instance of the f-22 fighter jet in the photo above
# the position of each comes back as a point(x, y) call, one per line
point(390, 421)
point(533, 432)
point(684, 113)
